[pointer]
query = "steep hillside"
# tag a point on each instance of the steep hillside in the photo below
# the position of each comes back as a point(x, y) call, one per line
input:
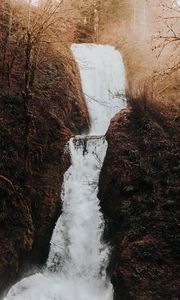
point(34, 127)
point(139, 190)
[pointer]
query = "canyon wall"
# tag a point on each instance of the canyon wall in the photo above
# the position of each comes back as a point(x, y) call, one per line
point(33, 163)
point(138, 192)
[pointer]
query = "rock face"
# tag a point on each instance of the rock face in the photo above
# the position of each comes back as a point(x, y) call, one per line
point(138, 190)
point(33, 163)
point(34, 129)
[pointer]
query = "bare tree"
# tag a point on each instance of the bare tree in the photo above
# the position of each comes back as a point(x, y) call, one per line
point(166, 40)
point(40, 29)
point(6, 22)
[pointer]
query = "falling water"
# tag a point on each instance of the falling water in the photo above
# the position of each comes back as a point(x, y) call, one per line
point(76, 267)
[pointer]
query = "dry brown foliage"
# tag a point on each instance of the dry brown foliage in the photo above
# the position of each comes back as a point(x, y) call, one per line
point(147, 34)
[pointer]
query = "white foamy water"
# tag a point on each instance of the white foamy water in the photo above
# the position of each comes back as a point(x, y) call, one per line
point(76, 267)
point(103, 82)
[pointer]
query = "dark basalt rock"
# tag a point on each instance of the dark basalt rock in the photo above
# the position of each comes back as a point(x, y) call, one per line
point(138, 192)
point(32, 166)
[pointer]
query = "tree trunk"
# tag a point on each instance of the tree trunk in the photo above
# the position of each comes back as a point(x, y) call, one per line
point(27, 66)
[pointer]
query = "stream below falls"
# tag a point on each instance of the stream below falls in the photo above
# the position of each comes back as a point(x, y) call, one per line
point(78, 258)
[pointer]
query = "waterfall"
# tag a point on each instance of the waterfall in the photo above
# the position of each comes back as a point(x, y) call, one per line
point(76, 266)
point(103, 82)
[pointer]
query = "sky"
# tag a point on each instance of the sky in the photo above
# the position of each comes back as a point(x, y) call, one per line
point(34, 1)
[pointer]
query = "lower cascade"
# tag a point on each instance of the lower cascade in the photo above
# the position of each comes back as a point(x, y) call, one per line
point(78, 258)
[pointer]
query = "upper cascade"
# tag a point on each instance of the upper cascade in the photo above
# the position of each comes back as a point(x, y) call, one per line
point(103, 81)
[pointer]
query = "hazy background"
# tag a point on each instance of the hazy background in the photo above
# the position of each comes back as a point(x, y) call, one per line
point(147, 34)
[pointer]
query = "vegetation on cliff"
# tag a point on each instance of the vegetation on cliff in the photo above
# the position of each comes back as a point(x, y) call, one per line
point(139, 190)
point(42, 106)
